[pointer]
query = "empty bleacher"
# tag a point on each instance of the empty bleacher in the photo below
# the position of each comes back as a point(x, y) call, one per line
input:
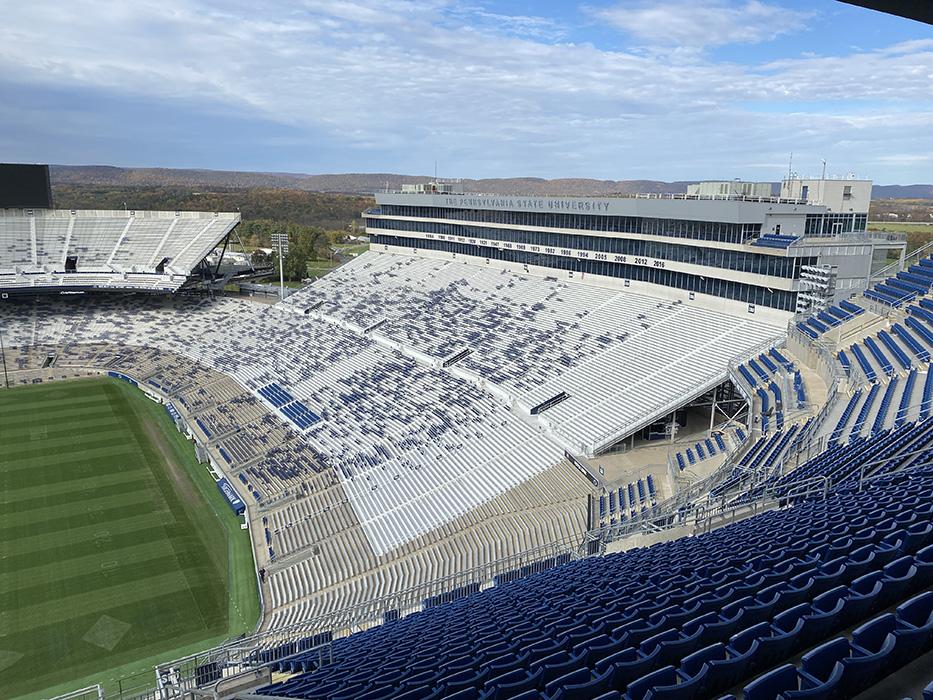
point(538, 338)
point(110, 249)
point(833, 316)
point(693, 617)
point(905, 286)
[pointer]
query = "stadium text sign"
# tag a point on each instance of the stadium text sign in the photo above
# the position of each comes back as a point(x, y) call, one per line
point(593, 206)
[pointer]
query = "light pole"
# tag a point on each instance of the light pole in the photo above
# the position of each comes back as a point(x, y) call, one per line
point(6, 378)
point(282, 240)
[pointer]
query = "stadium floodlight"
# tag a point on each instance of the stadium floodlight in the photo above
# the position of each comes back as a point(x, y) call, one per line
point(281, 239)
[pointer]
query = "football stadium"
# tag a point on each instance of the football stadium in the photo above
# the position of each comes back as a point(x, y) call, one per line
point(648, 446)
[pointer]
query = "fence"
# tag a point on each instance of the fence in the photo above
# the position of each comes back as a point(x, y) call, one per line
point(314, 636)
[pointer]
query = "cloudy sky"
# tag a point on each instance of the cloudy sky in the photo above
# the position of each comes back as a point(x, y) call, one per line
point(620, 89)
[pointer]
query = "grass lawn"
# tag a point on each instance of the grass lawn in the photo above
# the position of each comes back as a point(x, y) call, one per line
point(901, 227)
point(319, 268)
point(274, 281)
point(117, 552)
point(353, 250)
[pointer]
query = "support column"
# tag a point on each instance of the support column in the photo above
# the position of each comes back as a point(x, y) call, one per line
point(712, 414)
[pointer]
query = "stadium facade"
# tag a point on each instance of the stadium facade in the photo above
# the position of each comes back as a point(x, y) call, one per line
point(734, 252)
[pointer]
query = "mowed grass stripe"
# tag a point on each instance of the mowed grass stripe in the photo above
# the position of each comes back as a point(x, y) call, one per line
point(99, 600)
point(93, 507)
point(90, 461)
point(49, 404)
point(27, 497)
point(70, 582)
point(74, 442)
point(19, 564)
point(54, 415)
point(86, 423)
point(87, 533)
point(49, 568)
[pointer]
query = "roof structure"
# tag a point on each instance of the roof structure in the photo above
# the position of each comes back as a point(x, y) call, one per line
point(75, 249)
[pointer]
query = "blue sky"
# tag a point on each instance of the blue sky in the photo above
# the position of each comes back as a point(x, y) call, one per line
point(614, 89)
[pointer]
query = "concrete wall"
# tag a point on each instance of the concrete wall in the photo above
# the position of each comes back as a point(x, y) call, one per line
point(839, 196)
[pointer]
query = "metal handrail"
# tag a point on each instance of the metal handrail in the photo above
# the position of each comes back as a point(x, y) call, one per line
point(897, 266)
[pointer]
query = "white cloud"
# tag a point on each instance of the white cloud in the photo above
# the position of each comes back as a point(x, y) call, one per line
point(488, 94)
point(690, 24)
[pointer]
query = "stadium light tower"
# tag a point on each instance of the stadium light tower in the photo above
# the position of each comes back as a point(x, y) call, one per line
point(282, 240)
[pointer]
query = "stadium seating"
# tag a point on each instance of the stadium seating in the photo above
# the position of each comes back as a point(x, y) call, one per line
point(833, 316)
point(700, 451)
point(380, 456)
point(775, 240)
point(710, 612)
point(535, 339)
point(414, 448)
point(154, 251)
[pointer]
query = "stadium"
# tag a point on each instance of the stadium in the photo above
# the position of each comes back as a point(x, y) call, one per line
point(653, 446)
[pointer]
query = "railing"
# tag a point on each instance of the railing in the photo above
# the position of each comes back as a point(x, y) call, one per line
point(864, 472)
point(897, 266)
point(701, 515)
point(723, 197)
point(733, 369)
point(247, 653)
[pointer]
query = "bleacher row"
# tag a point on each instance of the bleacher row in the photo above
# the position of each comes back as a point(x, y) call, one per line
point(294, 410)
point(908, 346)
point(538, 338)
point(763, 457)
point(628, 502)
point(775, 240)
point(113, 249)
point(833, 316)
point(765, 374)
point(700, 451)
point(690, 618)
point(905, 285)
point(861, 403)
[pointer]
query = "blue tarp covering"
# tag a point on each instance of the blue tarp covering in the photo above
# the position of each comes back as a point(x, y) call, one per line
point(231, 496)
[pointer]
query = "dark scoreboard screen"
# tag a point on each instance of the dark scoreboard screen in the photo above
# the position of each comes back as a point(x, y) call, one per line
point(25, 186)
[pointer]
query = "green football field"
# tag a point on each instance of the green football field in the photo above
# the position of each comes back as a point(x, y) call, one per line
point(117, 552)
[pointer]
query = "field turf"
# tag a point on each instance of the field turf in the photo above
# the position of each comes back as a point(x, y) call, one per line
point(116, 550)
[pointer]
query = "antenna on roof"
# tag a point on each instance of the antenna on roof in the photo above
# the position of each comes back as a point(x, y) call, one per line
point(790, 166)
point(435, 170)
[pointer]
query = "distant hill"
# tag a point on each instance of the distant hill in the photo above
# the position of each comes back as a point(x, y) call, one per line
point(324, 210)
point(347, 183)
point(902, 192)
point(367, 183)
